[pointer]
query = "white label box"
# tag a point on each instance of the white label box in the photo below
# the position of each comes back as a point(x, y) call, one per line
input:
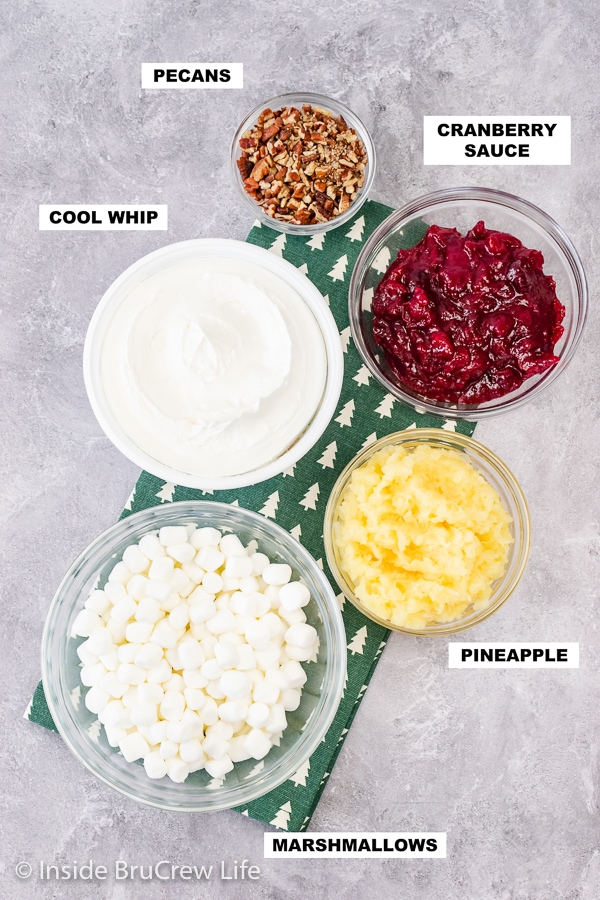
point(186, 76)
point(497, 140)
point(522, 655)
point(103, 217)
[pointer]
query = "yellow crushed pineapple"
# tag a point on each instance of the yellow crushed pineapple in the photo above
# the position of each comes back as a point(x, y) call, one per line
point(422, 536)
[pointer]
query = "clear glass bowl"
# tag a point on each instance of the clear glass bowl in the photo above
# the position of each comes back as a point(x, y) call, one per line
point(248, 780)
point(338, 109)
point(461, 208)
point(493, 470)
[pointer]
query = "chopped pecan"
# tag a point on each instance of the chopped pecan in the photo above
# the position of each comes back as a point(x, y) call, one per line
point(302, 165)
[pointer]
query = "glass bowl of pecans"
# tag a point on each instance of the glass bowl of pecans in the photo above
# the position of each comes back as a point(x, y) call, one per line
point(303, 163)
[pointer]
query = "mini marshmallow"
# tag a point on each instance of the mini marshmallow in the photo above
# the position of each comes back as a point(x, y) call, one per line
point(179, 617)
point(210, 712)
point(205, 537)
point(150, 693)
point(136, 561)
point(302, 654)
point(194, 698)
point(273, 622)
point(214, 689)
point(301, 635)
point(180, 731)
point(243, 604)
point(215, 746)
point(294, 595)
point(100, 641)
point(155, 765)
point(218, 768)
point(173, 534)
point(138, 632)
point(212, 583)
point(110, 660)
point(193, 572)
point(148, 610)
point(124, 609)
point(162, 569)
point(295, 673)
point(230, 584)
point(86, 622)
point(235, 685)
point(290, 699)
point(277, 573)
point(127, 653)
point(277, 720)
point(202, 610)
point(158, 590)
point(191, 655)
point(193, 678)
point(222, 621)
point(249, 585)
point(237, 750)
point(134, 746)
point(115, 591)
point(238, 566)
point(191, 751)
point(226, 655)
point(231, 711)
point(265, 692)
point(114, 735)
point(180, 583)
point(164, 635)
point(168, 749)
point(230, 545)
point(96, 699)
point(129, 673)
point(120, 573)
point(91, 675)
point(260, 561)
point(148, 656)
point(117, 630)
point(177, 770)
point(151, 547)
point(158, 732)
point(172, 657)
point(111, 683)
point(209, 558)
point(257, 744)
point(258, 635)
point(158, 674)
point(98, 602)
point(144, 714)
point(258, 715)
point(223, 729)
point(292, 616)
point(182, 553)
point(85, 654)
point(174, 683)
point(172, 706)
point(245, 657)
point(269, 657)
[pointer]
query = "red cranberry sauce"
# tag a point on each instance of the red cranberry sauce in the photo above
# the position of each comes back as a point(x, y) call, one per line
point(467, 319)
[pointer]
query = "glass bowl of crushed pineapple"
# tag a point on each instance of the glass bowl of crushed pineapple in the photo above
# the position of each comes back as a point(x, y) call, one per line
point(427, 532)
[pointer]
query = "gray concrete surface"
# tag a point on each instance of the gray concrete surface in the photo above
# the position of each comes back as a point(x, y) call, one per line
point(505, 762)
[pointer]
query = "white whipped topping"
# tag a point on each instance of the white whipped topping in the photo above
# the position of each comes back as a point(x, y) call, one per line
point(213, 366)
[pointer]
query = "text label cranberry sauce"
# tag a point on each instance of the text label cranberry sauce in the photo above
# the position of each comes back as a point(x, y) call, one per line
point(497, 140)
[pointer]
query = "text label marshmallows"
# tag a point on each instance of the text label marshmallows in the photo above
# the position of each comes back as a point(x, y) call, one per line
point(349, 845)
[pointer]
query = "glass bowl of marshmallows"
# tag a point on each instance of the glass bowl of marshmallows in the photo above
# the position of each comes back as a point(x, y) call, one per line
point(194, 656)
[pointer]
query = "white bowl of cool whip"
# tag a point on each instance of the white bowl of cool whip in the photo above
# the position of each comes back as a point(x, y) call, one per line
point(213, 364)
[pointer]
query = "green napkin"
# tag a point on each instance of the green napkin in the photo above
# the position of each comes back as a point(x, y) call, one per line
point(296, 500)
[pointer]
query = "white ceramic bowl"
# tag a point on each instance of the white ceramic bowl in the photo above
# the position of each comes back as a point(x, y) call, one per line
point(189, 250)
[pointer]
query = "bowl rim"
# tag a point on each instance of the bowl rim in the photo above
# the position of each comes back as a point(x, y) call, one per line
point(338, 108)
point(456, 441)
point(511, 202)
point(333, 623)
point(223, 247)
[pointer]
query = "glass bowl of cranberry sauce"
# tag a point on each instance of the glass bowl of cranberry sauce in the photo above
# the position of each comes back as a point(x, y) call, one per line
point(467, 302)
